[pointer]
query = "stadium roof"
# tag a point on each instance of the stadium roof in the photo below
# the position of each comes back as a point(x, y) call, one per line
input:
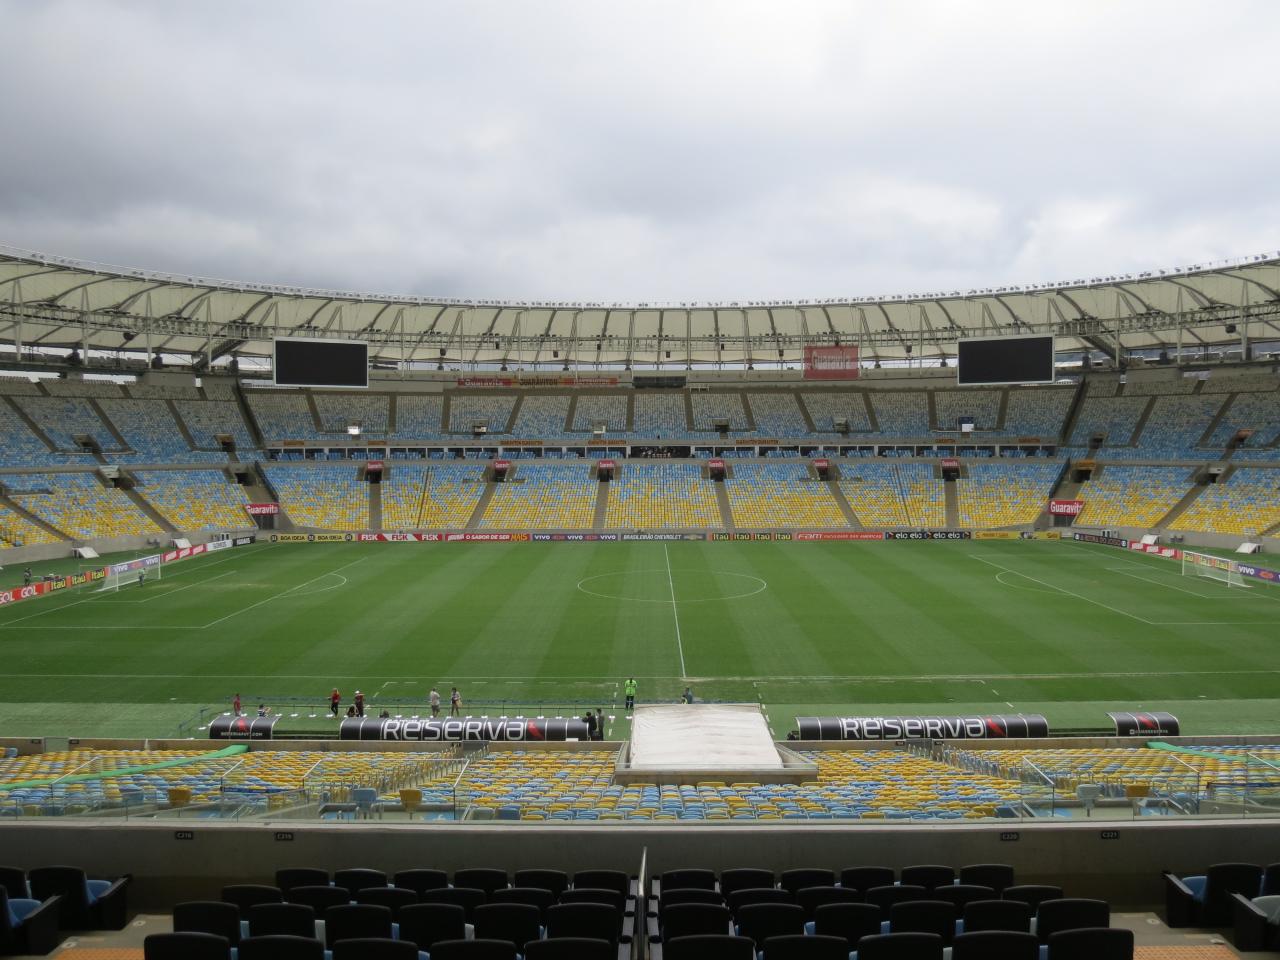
point(52, 302)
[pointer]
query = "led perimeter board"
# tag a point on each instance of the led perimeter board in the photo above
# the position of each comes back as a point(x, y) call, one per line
point(304, 362)
point(994, 360)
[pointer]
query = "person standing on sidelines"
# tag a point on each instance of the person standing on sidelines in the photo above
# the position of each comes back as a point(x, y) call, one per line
point(435, 702)
point(235, 705)
point(455, 703)
point(629, 688)
point(359, 702)
point(335, 698)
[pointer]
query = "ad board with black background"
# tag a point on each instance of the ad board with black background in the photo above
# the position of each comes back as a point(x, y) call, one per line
point(989, 727)
point(462, 728)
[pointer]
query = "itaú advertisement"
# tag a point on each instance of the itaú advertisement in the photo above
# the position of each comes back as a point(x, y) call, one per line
point(989, 727)
point(461, 728)
point(831, 363)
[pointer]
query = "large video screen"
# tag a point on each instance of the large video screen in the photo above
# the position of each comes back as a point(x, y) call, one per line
point(1005, 360)
point(303, 362)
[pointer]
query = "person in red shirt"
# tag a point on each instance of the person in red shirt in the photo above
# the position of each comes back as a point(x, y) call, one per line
point(335, 698)
point(235, 705)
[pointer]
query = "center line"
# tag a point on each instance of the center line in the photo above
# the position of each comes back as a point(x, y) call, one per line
point(675, 611)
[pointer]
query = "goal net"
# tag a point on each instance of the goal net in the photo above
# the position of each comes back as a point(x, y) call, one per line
point(1211, 567)
point(132, 573)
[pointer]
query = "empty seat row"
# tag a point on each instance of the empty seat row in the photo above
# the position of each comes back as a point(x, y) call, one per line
point(206, 946)
point(39, 902)
point(997, 876)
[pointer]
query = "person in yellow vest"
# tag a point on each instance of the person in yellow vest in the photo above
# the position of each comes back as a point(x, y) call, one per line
point(629, 688)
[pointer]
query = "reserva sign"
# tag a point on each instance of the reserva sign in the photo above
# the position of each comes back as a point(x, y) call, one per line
point(461, 728)
point(989, 727)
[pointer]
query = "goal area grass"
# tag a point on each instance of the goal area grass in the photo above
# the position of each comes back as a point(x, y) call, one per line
point(1065, 629)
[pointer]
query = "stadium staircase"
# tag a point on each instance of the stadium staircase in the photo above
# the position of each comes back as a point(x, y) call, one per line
point(250, 423)
point(141, 503)
point(871, 411)
point(1142, 421)
point(688, 409)
point(261, 491)
point(749, 413)
point(722, 499)
point(1003, 410)
point(809, 425)
point(116, 435)
point(1073, 412)
point(375, 505)
point(631, 414)
point(182, 427)
point(602, 499)
point(31, 424)
point(1180, 507)
point(391, 416)
point(446, 403)
point(1217, 419)
point(316, 421)
point(845, 507)
point(16, 507)
point(482, 505)
point(932, 406)
point(951, 498)
point(572, 412)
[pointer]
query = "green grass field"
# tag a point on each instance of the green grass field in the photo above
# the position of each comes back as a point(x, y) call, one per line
point(1063, 629)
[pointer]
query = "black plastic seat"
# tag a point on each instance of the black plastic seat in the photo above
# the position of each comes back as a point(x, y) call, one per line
point(13, 880)
point(709, 946)
point(611, 898)
point(319, 899)
point(760, 921)
point(356, 879)
point(997, 876)
point(85, 904)
point(487, 879)
point(557, 881)
point(1092, 943)
point(282, 920)
point(1205, 900)
point(394, 899)
point(745, 878)
point(421, 879)
point(289, 877)
point(516, 922)
point(374, 949)
point(901, 946)
point(1270, 880)
point(539, 897)
point(864, 878)
point(801, 877)
point(852, 921)
point(962, 893)
point(743, 898)
point(1032, 894)
point(208, 916)
point(474, 950)
point(28, 926)
point(604, 880)
point(800, 947)
point(466, 897)
point(570, 948)
point(356, 921)
point(928, 875)
point(186, 945)
point(689, 878)
point(886, 897)
point(1070, 913)
point(811, 898)
point(1012, 916)
point(246, 896)
point(280, 948)
point(924, 916)
point(691, 919)
point(591, 921)
point(995, 945)
point(671, 898)
point(425, 924)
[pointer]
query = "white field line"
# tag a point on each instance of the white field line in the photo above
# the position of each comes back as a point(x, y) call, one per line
point(675, 608)
point(1170, 586)
point(1069, 593)
point(169, 593)
point(282, 593)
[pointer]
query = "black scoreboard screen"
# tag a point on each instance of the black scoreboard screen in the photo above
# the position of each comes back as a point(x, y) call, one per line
point(994, 360)
point(304, 362)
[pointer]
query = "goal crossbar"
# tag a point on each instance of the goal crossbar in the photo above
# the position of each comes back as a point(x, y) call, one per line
point(1211, 567)
point(130, 572)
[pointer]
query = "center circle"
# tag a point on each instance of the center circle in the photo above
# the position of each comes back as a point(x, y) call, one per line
point(655, 586)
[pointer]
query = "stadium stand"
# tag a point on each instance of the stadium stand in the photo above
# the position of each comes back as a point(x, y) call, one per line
point(80, 506)
point(1245, 504)
point(982, 405)
point(648, 496)
point(780, 495)
point(17, 531)
point(1115, 418)
point(19, 387)
point(923, 496)
point(339, 410)
point(826, 408)
point(325, 496)
point(874, 493)
point(150, 429)
point(542, 416)
point(709, 407)
point(544, 496)
point(777, 415)
point(167, 391)
point(424, 496)
point(1102, 386)
point(59, 387)
point(1159, 388)
point(609, 409)
point(1174, 428)
point(1132, 496)
point(468, 409)
point(22, 448)
point(660, 415)
point(1037, 412)
point(64, 418)
point(282, 415)
point(901, 413)
point(1227, 382)
point(1258, 413)
point(195, 499)
point(418, 416)
point(1005, 494)
point(216, 389)
point(206, 420)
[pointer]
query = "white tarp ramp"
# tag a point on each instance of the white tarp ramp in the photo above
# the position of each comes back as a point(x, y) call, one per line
point(702, 736)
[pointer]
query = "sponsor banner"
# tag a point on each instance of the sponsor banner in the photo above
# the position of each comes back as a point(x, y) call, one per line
point(373, 466)
point(224, 544)
point(991, 727)
point(502, 464)
point(928, 535)
point(227, 727)
point(480, 537)
point(823, 464)
point(312, 537)
point(1099, 538)
point(262, 509)
point(716, 463)
point(398, 537)
point(1047, 535)
point(182, 553)
point(44, 587)
point(1066, 508)
point(154, 560)
point(830, 363)
point(243, 541)
point(1145, 724)
point(996, 535)
point(535, 381)
point(461, 728)
point(1261, 573)
point(840, 535)
point(607, 465)
point(662, 536)
point(950, 463)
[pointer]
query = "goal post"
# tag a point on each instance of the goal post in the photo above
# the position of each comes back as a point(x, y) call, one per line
point(132, 573)
point(1222, 569)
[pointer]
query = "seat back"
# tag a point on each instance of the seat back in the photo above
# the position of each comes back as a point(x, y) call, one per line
point(319, 899)
point(474, 950)
point(539, 897)
point(691, 878)
point(185, 945)
point(671, 898)
point(1092, 943)
point(1007, 915)
point(421, 879)
point(760, 921)
point(743, 898)
point(282, 919)
point(569, 948)
point(863, 879)
point(374, 949)
point(393, 898)
point(801, 877)
point(208, 916)
point(852, 921)
point(886, 897)
point(466, 897)
point(995, 945)
point(246, 896)
point(356, 921)
point(691, 919)
point(1032, 894)
point(289, 877)
point(70, 883)
point(594, 921)
point(997, 876)
point(810, 898)
point(280, 948)
point(901, 946)
point(427, 923)
point(962, 893)
point(924, 916)
point(800, 947)
point(557, 881)
point(709, 946)
point(516, 922)
point(594, 895)
point(745, 878)
point(1070, 913)
point(487, 879)
point(356, 879)
point(604, 880)
point(14, 882)
point(928, 875)
point(1222, 880)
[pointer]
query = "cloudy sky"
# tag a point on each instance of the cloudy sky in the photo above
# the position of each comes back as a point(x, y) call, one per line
point(634, 151)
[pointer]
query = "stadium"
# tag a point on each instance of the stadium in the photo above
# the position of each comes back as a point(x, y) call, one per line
point(928, 600)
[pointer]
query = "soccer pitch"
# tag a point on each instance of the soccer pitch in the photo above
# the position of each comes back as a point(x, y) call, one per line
point(1059, 628)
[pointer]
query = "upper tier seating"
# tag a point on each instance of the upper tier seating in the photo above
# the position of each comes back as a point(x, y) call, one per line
point(982, 405)
point(466, 410)
point(1256, 412)
point(545, 496)
point(418, 416)
point(283, 415)
point(660, 415)
point(207, 420)
point(64, 418)
point(80, 506)
point(780, 495)
point(1005, 494)
point(1225, 382)
point(429, 495)
point(330, 497)
point(338, 411)
point(164, 391)
point(826, 408)
point(609, 409)
point(1245, 504)
point(1115, 418)
point(1037, 412)
point(59, 387)
point(19, 447)
point(1159, 388)
point(710, 407)
point(1097, 386)
point(647, 496)
point(1132, 496)
point(217, 389)
point(777, 415)
point(196, 499)
point(150, 429)
point(901, 413)
point(19, 387)
point(1174, 429)
point(542, 415)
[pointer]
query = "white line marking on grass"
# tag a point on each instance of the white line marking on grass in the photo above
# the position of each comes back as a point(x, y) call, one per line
point(1171, 586)
point(1000, 580)
point(675, 609)
point(283, 593)
point(169, 593)
point(1078, 596)
point(10, 623)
